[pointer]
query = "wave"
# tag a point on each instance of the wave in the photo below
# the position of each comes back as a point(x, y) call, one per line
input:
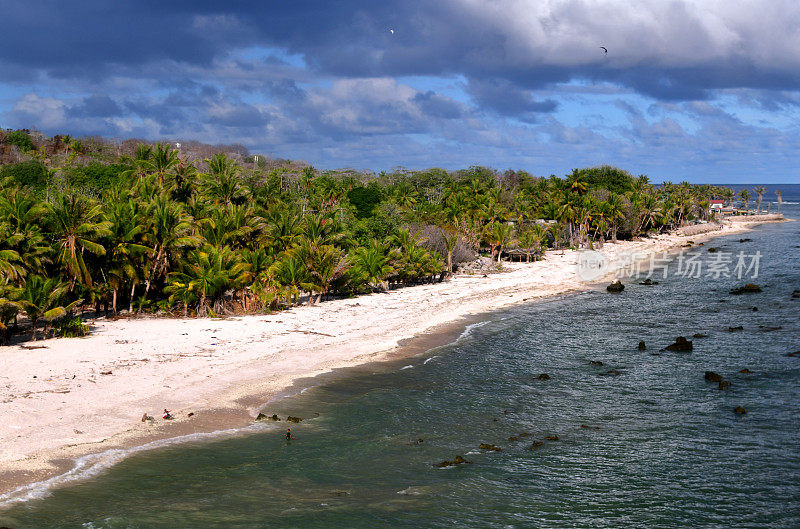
point(406, 367)
point(471, 327)
point(429, 359)
point(91, 465)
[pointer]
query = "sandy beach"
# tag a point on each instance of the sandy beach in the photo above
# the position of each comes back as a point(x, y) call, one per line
point(63, 398)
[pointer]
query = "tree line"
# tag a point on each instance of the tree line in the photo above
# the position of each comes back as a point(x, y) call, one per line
point(161, 231)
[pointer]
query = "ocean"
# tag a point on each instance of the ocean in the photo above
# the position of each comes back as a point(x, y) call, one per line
point(642, 440)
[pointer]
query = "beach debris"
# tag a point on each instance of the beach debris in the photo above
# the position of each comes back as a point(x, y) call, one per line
point(457, 461)
point(536, 444)
point(543, 376)
point(293, 419)
point(749, 288)
point(190, 414)
point(746, 371)
point(681, 344)
point(417, 442)
point(699, 335)
point(739, 410)
point(596, 362)
point(724, 384)
point(642, 346)
point(487, 446)
point(146, 418)
point(648, 282)
point(553, 437)
point(713, 377)
point(615, 287)
point(105, 372)
point(734, 329)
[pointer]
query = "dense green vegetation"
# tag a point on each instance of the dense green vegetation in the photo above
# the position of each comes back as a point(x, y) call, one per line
point(84, 225)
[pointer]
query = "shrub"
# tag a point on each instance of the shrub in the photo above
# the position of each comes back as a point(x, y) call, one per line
point(21, 139)
point(32, 173)
point(71, 327)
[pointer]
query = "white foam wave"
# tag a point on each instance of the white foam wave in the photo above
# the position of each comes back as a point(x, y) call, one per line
point(471, 327)
point(406, 367)
point(91, 465)
point(429, 359)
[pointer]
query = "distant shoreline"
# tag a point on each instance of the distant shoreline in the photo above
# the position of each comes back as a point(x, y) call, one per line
point(89, 394)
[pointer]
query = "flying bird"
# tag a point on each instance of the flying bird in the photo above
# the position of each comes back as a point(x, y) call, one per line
point(604, 49)
point(391, 31)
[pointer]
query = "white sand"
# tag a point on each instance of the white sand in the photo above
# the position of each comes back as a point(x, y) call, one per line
point(55, 403)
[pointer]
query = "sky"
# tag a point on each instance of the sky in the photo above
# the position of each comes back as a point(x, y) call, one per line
point(689, 90)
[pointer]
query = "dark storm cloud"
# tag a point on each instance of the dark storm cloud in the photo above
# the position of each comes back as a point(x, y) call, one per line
point(506, 98)
point(670, 51)
point(100, 106)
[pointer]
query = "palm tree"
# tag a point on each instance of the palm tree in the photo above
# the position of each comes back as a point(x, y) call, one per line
point(529, 241)
point(615, 212)
point(40, 298)
point(759, 190)
point(499, 235)
point(9, 307)
point(76, 226)
point(745, 194)
point(162, 159)
point(125, 248)
point(222, 184)
point(372, 265)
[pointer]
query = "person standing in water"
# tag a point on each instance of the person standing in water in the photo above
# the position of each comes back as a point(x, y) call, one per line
point(289, 435)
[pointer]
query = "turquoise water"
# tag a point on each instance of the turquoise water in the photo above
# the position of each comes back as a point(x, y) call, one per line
point(663, 447)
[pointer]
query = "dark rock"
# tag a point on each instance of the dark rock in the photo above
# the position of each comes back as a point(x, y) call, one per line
point(770, 329)
point(749, 288)
point(712, 250)
point(734, 329)
point(698, 335)
point(457, 461)
point(190, 414)
point(494, 420)
point(681, 344)
point(648, 282)
point(487, 446)
point(795, 354)
point(551, 438)
point(105, 372)
point(513, 438)
point(524, 434)
point(417, 442)
point(616, 287)
point(795, 294)
point(723, 384)
point(611, 373)
point(713, 377)
point(746, 371)
point(739, 410)
point(754, 309)
point(587, 427)
point(340, 493)
point(543, 376)
point(293, 419)
point(745, 240)
point(262, 417)
point(536, 444)
point(596, 362)
point(642, 346)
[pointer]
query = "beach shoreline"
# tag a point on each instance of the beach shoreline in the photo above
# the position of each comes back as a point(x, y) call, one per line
point(87, 395)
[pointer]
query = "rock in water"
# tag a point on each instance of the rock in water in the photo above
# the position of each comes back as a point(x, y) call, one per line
point(749, 288)
point(734, 329)
point(536, 444)
point(457, 461)
point(551, 438)
point(745, 371)
point(596, 362)
point(713, 377)
point(739, 410)
point(642, 346)
point(616, 287)
point(724, 384)
point(293, 419)
point(544, 376)
point(648, 282)
point(487, 446)
point(698, 335)
point(681, 344)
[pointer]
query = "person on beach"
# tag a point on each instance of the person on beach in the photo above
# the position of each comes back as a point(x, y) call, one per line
point(289, 435)
point(166, 415)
